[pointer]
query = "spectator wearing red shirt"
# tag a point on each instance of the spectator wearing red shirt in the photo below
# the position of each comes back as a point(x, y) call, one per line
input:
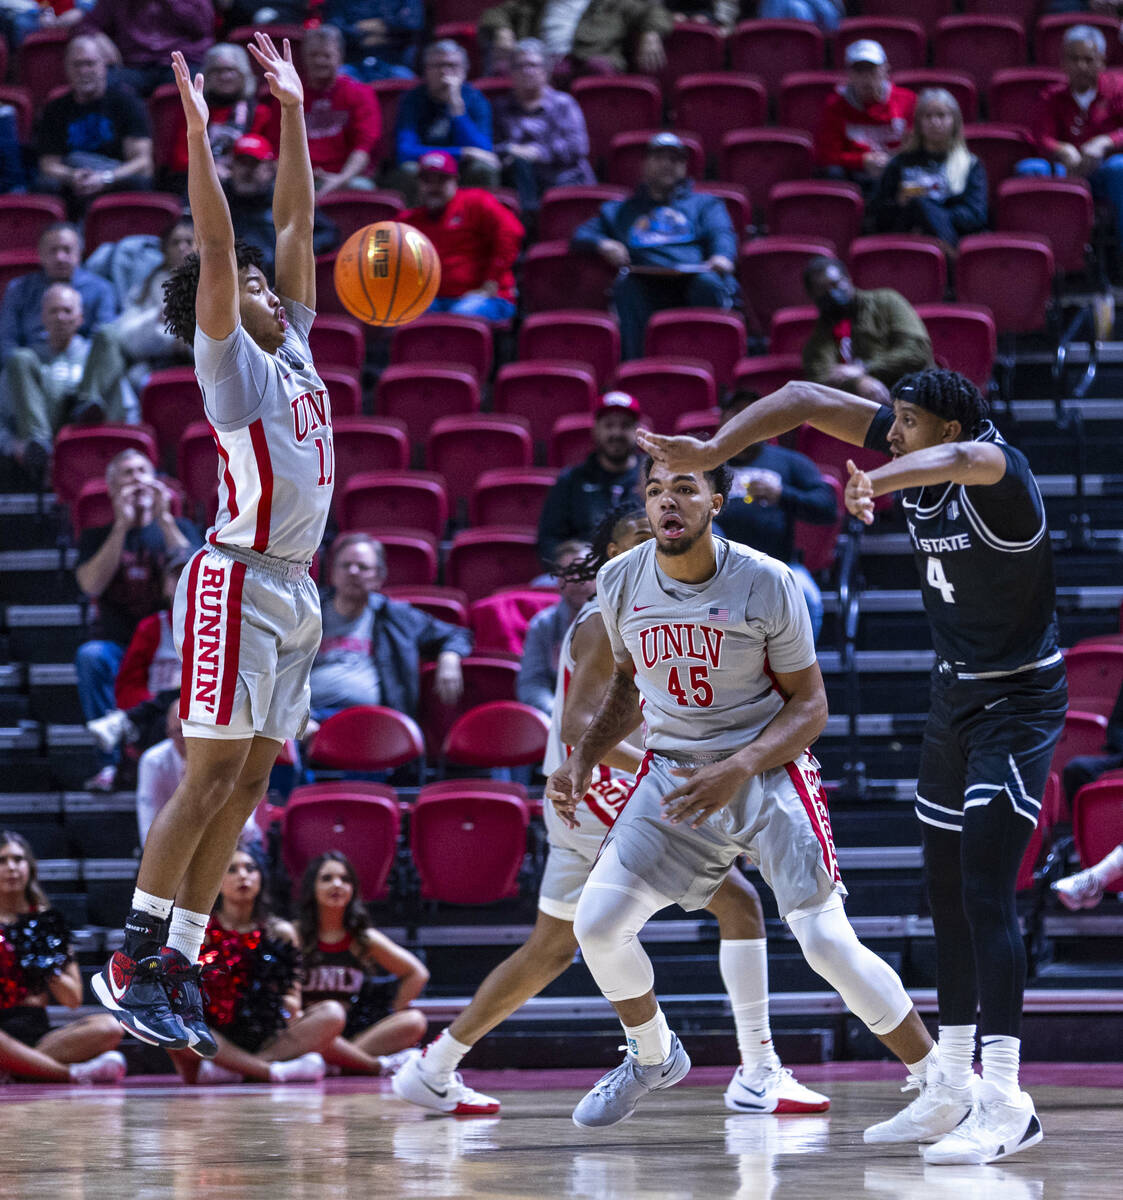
point(865, 121)
point(476, 238)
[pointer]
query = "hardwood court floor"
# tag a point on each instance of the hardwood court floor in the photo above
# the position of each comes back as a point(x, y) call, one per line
point(353, 1139)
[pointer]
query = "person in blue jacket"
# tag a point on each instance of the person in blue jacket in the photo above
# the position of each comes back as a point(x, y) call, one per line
point(674, 247)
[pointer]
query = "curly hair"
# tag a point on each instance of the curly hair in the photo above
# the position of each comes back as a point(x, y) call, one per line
point(181, 287)
point(608, 530)
point(720, 478)
point(947, 394)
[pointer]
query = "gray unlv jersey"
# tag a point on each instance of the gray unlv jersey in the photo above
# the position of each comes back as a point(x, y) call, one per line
point(703, 652)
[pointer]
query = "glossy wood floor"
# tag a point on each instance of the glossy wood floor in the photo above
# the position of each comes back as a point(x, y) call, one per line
point(343, 1140)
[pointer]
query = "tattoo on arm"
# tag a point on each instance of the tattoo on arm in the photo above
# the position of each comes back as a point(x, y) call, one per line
point(618, 714)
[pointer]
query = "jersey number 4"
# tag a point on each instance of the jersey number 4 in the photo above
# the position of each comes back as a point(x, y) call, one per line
point(938, 580)
point(701, 693)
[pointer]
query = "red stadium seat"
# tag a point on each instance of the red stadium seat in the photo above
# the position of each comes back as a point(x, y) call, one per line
point(1042, 834)
point(552, 277)
point(462, 447)
point(446, 340)
point(343, 390)
point(771, 273)
point(764, 373)
point(81, 454)
point(444, 11)
point(24, 217)
point(503, 733)
point(20, 99)
point(1022, 9)
point(411, 555)
point(1012, 93)
point(790, 328)
point(913, 265)
point(1010, 274)
point(197, 470)
point(999, 148)
point(829, 454)
point(572, 335)
point(627, 150)
point(678, 332)
point(468, 844)
point(499, 621)
point(353, 210)
point(1060, 211)
point(14, 263)
point(446, 604)
point(93, 505)
point(367, 444)
point(564, 208)
point(802, 95)
point(418, 395)
point(482, 560)
point(571, 440)
point(700, 424)
point(337, 341)
point(412, 499)
point(1095, 676)
point(612, 103)
point(367, 737)
point(1097, 822)
point(493, 86)
point(542, 390)
point(39, 62)
point(388, 93)
point(979, 45)
point(327, 301)
point(735, 200)
point(929, 12)
point(716, 103)
point(775, 48)
point(1049, 32)
point(817, 543)
point(904, 40)
point(169, 402)
point(816, 208)
point(666, 387)
point(487, 677)
point(758, 159)
point(1084, 733)
point(165, 115)
point(963, 339)
point(510, 497)
point(117, 214)
point(692, 47)
point(362, 820)
point(961, 86)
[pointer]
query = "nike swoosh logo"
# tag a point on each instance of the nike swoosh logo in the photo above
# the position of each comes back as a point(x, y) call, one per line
point(995, 703)
point(641, 607)
point(754, 1092)
point(664, 1074)
point(439, 1095)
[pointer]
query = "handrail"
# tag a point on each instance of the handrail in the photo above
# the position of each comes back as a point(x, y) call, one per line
point(1069, 418)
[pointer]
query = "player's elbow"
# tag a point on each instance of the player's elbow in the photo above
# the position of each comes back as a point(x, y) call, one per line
point(815, 713)
point(573, 725)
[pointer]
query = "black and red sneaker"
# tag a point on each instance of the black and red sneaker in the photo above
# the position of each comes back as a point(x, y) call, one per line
point(134, 991)
point(185, 991)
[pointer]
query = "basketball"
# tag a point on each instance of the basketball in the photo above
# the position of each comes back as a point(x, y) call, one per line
point(387, 274)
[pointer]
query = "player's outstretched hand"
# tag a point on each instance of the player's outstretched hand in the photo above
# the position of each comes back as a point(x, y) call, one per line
point(680, 454)
point(706, 791)
point(190, 93)
point(280, 73)
point(859, 494)
point(565, 789)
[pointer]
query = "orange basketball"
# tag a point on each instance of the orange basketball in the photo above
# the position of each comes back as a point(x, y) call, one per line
point(387, 273)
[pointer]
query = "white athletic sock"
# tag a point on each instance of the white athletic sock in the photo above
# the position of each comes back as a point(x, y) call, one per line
point(744, 971)
point(442, 1056)
point(957, 1054)
point(1001, 1059)
point(649, 1043)
point(187, 931)
point(1109, 868)
point(155, 906)
point(920, 1069)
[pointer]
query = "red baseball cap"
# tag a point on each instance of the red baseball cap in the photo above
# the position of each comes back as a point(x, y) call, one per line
point(439, 161)
point(253, 145)
point(616, 402)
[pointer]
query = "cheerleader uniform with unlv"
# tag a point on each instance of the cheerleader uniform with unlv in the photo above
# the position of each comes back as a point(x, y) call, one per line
point(333, 971)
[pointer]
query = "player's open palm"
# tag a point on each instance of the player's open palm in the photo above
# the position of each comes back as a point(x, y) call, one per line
point(675, 453)
point(190, 93)
point(859, 494)
point(280, 73)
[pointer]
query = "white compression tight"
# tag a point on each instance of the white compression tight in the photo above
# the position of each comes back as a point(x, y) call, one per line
point(614, 906)
point(869, 987)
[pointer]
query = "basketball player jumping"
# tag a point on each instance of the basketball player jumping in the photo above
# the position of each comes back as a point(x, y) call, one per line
point(246, 612)
point(976, 521)
point(760, 1084)
point(714, 640)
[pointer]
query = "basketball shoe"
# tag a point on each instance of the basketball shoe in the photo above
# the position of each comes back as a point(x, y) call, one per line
point(185, 991)
point(936, 1111)
point(1085, 889)
point(615, 1095)
point(771, 1089)
point(999, 1125)
point(135, 992)
point(443, 1094)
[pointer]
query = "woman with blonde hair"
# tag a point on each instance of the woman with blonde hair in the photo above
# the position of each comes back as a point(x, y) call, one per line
point(934, 185)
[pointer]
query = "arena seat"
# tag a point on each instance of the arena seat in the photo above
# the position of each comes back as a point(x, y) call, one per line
point(1059, 211)
point(118, 214)
point(978, 44)
point(766, 373)
point(771, 273)
point(487, 677)
point(351, 211)
point(197, 469)
point(758, 159)
point(39, 62)
point(713, 104)
point(1049, 32)
point(500, 621)
point(959, 83)
point(447, 340)
point(337, 341)
point(411, 554)
point(446, 604)
point(344, 390)
point(702, 423)
point(19, 98)
point(552, 277)
point(816, 208)
point(790, 328)
point(999, 148)
point(388, 93)
point(904, 40)
point(678, 332)
point(802, 96)
point(829, 454)
point(83, 453)
point(571, 335)
point(14, 263)
point(481, 560)
point(419, 394)
point(1097, 823)
point(327, 301)
point(444, 11)
point(1012, 92)
point(929, 12)
point(816, 544)
point(1051, 804)
point(23, 218)
point(612, 103)
point(505, 496)
point(911, 264)
point(461, 447)
point(692, 47)
point(666, 387)
point(1095, 677)
point(1084, 733)
point(564, 208)
point(571, 439)
point(1010, 274)
point(417, 499)
point(963, 339)
point(165, 115)
point(772, 49)
point(501, 733)
point(170, 401)
point(541, 390)
point(367, 737)
point(735, 199)
point(627, 151)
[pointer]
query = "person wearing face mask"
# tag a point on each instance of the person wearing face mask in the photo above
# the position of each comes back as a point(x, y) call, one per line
point(863, 341)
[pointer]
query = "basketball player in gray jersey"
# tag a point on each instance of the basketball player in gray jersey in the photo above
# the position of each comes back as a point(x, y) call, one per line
point(714, 641)
point(246, 614)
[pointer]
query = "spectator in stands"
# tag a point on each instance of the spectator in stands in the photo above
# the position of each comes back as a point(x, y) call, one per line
point(60, 259)
point(122, 566)
point(251, 973)
point(147, 31)
point(673, 246)
point(381, 36)
point(476, 237)
point(95, 138)
point(230, 90)
point(722, 13)
point(444, 113)
point(774, 487)
point(540, 132)
point(935, 185)
point(1087, 768)
point(372, 646)
point(37, 968)
point(865, 121)
point(595, 38)
point(538, 670)
point(824, 13)
point(863, 341)
point(18, 18)
point(353, 969)
point(1078, 125)
point(13, 178)
point(608, 476)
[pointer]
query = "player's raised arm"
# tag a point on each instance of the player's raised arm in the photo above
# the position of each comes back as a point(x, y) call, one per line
point(216, 302)
point(294, 193)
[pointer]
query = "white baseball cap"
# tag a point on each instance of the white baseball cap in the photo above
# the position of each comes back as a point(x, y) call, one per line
point(866, 50)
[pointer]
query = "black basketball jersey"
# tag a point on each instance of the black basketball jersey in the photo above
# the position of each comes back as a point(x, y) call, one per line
point(332, 972)
point(985, 563)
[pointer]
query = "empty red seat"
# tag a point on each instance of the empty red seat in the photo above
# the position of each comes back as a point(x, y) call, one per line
point(775, 48)
point(411, 499)
point(462, 447)
point(1010, 274)
point(447, 340)
point(692, 47)
point(552, 277)
point(715, 103)
point(612, 103)
point(117, 214)
point(388, 93)
point(999, 148)
point(1058, 210)
point(367, 737)
point(666, 387)
point(904, 40)
point(169, 402)
point(913, 265)
point(1095, 676)
point(627, 151)
point(960, 84)
point(444, 603)
point(764, 373)
point(1049, 32)
point(571, 439)
point(367, 444)
point(1097, 822)
point(165, 115)
point(502, 733)
point(816, 544)
point(816, 208)
point(343, 389)
point(197, 470)
point(24, 217)
point(771, 273)
point(1013, 92)
point(1084, 733)
point(802, 96)
point(978, 44)
point(500, 621)
point(39, 62)
point(353, 210)
point(758, 159)
point(487, 677)
point(411, 555)
point(337, 341)
point(327, 300)
point(576, 335)
point(419, 394)
point(14, 263)
point(963, 339)
point(503, 496)
point(790, 328)
point(81, 454)
point(929, 12)
point(20, 99)
point(541, 390)
point(564, 208)
point(481, 560)
point(709, 333)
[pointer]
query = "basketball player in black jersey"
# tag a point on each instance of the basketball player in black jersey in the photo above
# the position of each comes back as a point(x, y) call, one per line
point(976, 522)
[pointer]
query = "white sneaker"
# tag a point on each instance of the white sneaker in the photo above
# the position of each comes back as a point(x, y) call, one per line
point(1082, 890)
point(211, 1073)
point(937, 1110)
point(447, 1095)
point(308, 1068)
point(391, 1064)
point(771, 1089)
point(111, 730)
point(999, 1125)
point(103, 781)
point(105, 1068)
point(614, 1096)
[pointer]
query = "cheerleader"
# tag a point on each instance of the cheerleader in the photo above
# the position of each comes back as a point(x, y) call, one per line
point(358, 971)
point(37, 968)
point(251, 978)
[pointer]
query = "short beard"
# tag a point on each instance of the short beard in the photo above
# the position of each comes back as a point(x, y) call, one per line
point(684, 544)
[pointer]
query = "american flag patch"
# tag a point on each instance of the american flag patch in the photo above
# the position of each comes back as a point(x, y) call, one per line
point(718, 614)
